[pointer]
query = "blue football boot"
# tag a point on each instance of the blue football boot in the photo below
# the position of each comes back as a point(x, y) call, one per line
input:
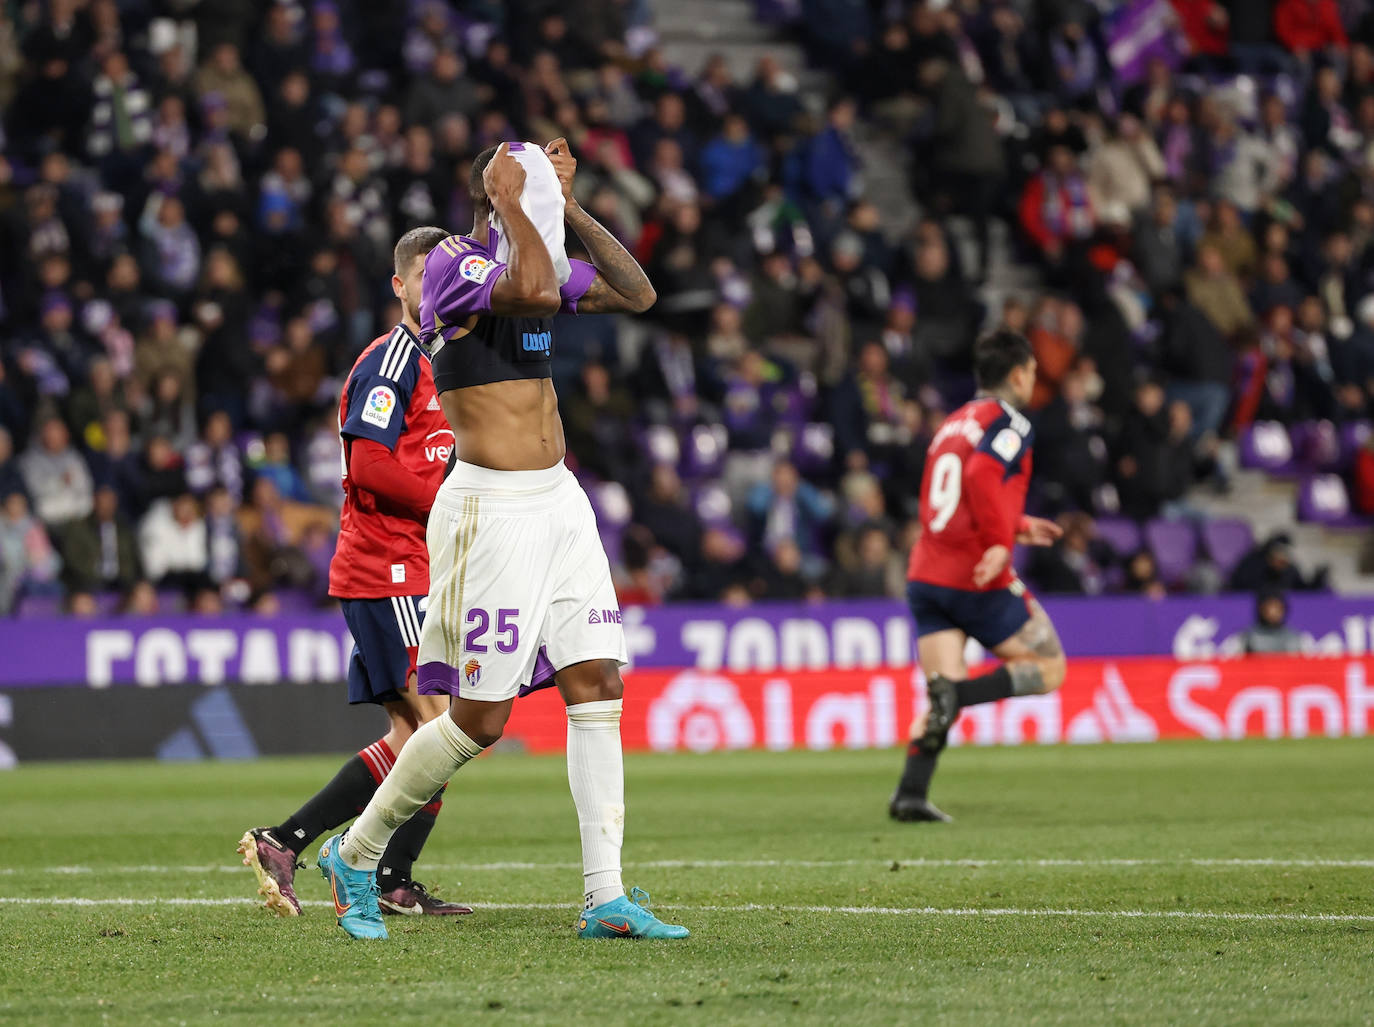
point(354, 893)
point(626, 918)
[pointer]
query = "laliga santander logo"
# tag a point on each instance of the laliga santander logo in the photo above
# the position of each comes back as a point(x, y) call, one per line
point(702, 711)
point(1112, 717)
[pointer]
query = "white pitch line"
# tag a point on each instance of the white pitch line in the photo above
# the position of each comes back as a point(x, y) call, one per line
point(719, 864)
point(1122, 914)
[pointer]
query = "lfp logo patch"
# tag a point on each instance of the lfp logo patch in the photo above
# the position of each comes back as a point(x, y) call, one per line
point(380, 405)
point(475, 268)
point(472, 672)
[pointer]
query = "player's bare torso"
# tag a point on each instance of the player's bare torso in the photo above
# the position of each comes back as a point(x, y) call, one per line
point(507, 426)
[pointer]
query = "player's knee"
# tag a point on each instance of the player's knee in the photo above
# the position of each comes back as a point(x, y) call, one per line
point(484, 723)
point(594, 681)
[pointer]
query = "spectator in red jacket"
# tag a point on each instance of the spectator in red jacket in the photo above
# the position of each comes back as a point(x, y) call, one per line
point(1307, 26)
point(1056, 211)
point(1363, 478)
point(1207, 25)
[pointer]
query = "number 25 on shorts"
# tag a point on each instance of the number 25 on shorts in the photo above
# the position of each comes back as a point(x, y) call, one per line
point(507, 635)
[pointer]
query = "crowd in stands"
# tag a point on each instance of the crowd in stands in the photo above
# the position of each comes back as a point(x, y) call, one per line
point(198, 203)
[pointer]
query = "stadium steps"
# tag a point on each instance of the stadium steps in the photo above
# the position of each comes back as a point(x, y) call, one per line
point(885, 181)
point(689, 33)
point(1270, 505)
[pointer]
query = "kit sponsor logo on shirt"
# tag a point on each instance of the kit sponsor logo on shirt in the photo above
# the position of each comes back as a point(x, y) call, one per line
point(381, 403)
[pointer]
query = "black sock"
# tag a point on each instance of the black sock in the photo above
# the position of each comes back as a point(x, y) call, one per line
point(404, 848)
point(341, 800)
point(988, 687)
point(920, 766)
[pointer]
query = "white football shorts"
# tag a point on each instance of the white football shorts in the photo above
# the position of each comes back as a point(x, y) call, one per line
point(520, 586)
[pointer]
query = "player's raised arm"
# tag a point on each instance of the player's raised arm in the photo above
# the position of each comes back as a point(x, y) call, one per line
point(617, 282)
point(528, 287)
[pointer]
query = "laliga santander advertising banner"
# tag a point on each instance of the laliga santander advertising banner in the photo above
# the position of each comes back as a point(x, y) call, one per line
point(1126, 700)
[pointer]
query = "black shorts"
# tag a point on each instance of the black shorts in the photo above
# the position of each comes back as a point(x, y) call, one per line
point(386, 640)
point(989, 618)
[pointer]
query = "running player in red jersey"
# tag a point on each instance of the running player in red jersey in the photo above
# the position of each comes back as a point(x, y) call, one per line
point(961, 582)
point(396, 445)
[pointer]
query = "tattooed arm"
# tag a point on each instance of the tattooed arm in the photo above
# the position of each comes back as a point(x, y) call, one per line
point(620, 283)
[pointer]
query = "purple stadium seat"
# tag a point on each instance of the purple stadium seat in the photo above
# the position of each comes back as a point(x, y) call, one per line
point(1323, 499)
point(1265, 446)
point(712, 504)
point(1121, 533)
point(1316, 445)
point(612, 504)
point(48, 605)
point(1354, 435)
point(1174, 544)
point(705, 451)
point(813, 448)
point(659, 442)
point(1227, 540)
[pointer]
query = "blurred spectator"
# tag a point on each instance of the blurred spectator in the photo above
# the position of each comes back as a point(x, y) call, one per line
point(100, 553)
point(730, 161)
point(1056, 208)
point(1307, 26)
point(1269, 567)
point(1154, 464)
point(868, 408)
point(1074, 565)
point(968, 155)
point(222, 537)
point(1054, 336)
point(271, 530)
point(718, 568)
point(215, 461)
point(445, 89)
point(1142, 576)
point(832, 165)
point(667, 514)
point(173, 546)
point(596, 422)
point(786, 507)
point(56, 477)
point(277, 467)
point(1071, 452)
point(1122, 169)
point(1270, 633)
point(1200, 363)
point(28, 561)
point(222, 79)
point(1363, 476)
point(873, 569)
point(1217, 292)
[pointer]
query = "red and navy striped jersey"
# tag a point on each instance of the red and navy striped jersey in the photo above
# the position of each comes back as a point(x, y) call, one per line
point(389, 398)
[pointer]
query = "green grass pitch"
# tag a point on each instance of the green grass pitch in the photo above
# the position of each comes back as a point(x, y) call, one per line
point(1198, 883)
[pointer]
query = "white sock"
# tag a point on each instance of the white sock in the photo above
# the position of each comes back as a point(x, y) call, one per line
point(596, 775)
point(432, 756)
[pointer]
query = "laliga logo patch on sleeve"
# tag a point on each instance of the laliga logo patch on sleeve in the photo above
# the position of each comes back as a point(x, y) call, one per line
point(475, 268)
point(1007, 444)
point(381, 402)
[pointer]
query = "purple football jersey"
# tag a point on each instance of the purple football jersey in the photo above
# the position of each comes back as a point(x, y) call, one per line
point(459, 275)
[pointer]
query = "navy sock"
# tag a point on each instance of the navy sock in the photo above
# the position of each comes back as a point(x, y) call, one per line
point(337, 802)
point(920, 767)
point(988, 687)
